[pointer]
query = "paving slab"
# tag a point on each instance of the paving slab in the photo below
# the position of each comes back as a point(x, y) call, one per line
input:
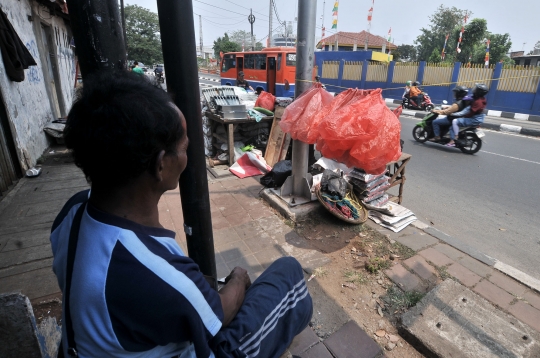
point(417, 241)
point(532, 298)
point(507, 283)
point(494, 294)
point(317, 351)
point(476, 266)
point(527, 314)
point(405, 279)
point(463, 274)
point(420, 266)
point(453, 321)
point(302, 342)
point(437, 258)
point(351, 341)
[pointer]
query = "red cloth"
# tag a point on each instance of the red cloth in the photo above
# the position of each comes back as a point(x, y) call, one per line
point(249, 165)
point(477, 107)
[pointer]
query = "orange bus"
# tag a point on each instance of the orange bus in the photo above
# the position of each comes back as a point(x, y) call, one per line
point(273, 69)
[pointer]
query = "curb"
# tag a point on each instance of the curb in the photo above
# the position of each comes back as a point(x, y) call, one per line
point(507, 128)
point(491, 113)
point(508, 270)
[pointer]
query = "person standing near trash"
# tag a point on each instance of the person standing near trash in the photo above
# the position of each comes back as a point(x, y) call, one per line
point(128, 288)
point(241, 82)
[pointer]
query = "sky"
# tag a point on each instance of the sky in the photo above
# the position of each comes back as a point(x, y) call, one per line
point(519, 18)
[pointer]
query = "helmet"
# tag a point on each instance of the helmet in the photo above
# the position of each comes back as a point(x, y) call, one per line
point(317, 78)
point(416, 83)
point(460, 92)
point(409, 83)
point(241, 73)
point(480, 90)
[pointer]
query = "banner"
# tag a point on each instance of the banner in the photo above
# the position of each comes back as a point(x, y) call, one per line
point(487, 53)
point(335, 15)
point(458, 49)
point(443, 53)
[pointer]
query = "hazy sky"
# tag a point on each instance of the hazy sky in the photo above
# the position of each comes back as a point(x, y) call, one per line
point(519, 17)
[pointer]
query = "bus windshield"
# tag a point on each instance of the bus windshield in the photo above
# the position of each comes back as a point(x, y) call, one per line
point(229, 61)
point(291, 59)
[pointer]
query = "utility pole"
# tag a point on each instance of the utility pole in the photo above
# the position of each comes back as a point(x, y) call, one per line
point(123, 14)
point(201, 38)
point(99, 39)
point(270, 40)
point(251, 19)
point(180, 58)
point(297, 187)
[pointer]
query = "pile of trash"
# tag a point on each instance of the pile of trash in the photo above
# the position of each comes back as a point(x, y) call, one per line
point(371, 188)
point(391, 216)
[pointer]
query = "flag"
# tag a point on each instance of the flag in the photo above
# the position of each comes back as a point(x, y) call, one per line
point(389, 35)
point(335, 15)
point(487, 53)
point(458, 49)
point(443, 53)
point(370, 14)
point(323, 39)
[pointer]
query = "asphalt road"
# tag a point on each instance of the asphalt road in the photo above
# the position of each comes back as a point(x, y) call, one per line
point(490, 200)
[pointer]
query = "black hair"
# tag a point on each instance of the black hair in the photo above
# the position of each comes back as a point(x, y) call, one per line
point(118, 125)
point(135, 63)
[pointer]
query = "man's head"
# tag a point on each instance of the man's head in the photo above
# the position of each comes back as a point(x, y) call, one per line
point(135, 63)
point(241, 74)
point(121, 127)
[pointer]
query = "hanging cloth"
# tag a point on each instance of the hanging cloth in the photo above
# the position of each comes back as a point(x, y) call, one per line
point(16, 56)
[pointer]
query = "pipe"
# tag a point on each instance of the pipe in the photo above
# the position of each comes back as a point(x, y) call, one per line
point(180, 59)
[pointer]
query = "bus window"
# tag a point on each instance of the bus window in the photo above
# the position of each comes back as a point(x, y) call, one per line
point(291, 59)
point(229, 61)
point(279, 58)
point(249, 62)
point(261, 62)
point(255, 61)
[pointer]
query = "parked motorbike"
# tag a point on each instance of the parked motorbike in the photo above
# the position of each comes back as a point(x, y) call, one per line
point(468, 140)
point(426, 104)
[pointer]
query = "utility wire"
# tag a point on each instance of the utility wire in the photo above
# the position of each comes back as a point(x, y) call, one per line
point(247, 8)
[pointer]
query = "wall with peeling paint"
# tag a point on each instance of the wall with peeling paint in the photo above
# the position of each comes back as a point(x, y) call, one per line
point(33, 103)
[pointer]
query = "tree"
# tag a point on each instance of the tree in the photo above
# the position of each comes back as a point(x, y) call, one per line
point(499, 47)
point(444, 22)
point(435, 56)
point(406, 52)
point(475, 32)
point(244, 37)
point(143, 37)
point(224, 44)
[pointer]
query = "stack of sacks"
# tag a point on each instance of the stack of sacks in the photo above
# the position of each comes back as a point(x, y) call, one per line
point(370, 188)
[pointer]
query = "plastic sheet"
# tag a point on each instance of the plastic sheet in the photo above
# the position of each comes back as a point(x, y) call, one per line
point(300, 117)
point(360, 131)
point(266, 100)
point(277, 176)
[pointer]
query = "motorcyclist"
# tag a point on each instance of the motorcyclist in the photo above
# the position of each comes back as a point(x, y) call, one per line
point(318, 80)
point(472, 115)
point(416, 95)
point(407, 89)
point(158, 71)
point(447, 115)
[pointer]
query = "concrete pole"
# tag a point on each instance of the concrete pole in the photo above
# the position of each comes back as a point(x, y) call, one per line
point(180, 58)
point(270, 40)
point(98, 34)
point(305, 55)
point(201, 38)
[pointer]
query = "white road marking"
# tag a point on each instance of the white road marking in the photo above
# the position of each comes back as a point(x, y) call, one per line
point(507, 156)
point(521, 116)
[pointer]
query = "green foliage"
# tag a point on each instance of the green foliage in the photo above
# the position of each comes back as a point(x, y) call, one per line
point(435, 56)
point(443, 22)
point(244, 37)
point(355, 277)
point(143, 37)
point(258, 46)
point(475, 32)
point(400, 301)
point(498, 48)
point(376, 264)
point(405, 52)
point(224, 44)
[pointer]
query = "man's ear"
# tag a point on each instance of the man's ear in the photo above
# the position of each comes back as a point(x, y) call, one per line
point(159, 165)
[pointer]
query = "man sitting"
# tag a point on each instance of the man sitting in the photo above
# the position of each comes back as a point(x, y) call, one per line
point(415, 94)
point(241, 82)
point(133, 292)
point(445, 118)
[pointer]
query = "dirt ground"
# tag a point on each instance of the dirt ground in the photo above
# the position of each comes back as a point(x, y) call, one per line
point(355, 281)
point(50, 307)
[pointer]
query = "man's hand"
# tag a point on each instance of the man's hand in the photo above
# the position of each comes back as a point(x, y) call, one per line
point(233, 293)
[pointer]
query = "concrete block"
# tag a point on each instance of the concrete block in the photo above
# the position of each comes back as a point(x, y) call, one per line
point(419, 266)
point(404, 279)
point(417, 241)
point(296, 213)
point(350, 341)
point(494, 294)
point(435, 257)
point(453, 321)
point(464, 275)
point(19, 336)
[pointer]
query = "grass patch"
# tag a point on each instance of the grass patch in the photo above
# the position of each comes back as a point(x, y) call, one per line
point(377, 264)
point(403, 251)
point(358, 228)
point(443, 273)
point(355, 277)
point(399, 301)
point(320, 272)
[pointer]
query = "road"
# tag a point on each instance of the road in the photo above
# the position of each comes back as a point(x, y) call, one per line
point(490, 200)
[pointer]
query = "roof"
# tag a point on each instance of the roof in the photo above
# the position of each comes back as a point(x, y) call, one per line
point(348, 38)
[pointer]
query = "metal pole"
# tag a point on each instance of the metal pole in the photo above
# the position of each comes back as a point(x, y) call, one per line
point(251, 19)
point(123, 14)
point(270, 41)
point(180, 59)
point(98, 35)
point(305, 55)
point(201, 37)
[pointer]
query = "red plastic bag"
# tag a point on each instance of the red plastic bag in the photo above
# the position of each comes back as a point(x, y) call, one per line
point(363, 133)
point(299, 117)
point(266, 100)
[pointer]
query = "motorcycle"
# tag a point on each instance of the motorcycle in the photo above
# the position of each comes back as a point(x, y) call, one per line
point(426, 105)
point(468, 140)
point(159, 77)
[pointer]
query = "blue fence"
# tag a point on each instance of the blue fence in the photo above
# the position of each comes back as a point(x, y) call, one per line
point(514, 90)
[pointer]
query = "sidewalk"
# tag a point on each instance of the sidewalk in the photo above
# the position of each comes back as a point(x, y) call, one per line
point(248, 233)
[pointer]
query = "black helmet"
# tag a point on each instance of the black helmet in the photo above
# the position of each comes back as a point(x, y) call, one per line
point(317, 78)
point(480, 90)
point(460, 92)
point(416, 83)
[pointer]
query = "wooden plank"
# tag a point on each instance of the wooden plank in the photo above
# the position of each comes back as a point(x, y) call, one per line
point(275, 142)
point(230, 131)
